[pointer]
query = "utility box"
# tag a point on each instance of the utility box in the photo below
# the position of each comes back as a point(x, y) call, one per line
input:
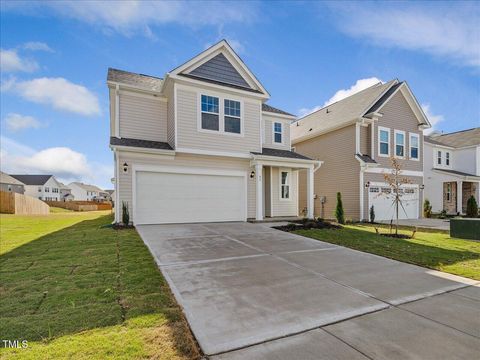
point(465, 228)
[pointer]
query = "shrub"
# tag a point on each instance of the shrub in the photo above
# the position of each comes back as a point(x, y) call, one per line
point(472, 207)
point(372, 214)
point(339, 213)
point(427, 209)
point(125, 213)
point(443, 214)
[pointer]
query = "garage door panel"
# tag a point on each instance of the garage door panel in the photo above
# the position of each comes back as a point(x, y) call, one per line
point(381, 198)
point(181, 198)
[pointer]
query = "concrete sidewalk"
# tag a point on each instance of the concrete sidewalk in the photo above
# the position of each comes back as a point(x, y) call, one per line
point(249, 291)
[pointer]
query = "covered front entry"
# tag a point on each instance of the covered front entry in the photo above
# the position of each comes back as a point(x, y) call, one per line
point(456, 195)
point(179, 195)
point(381, 196)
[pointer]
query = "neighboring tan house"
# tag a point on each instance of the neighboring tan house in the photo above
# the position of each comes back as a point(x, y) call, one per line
point(201, 144)
point(66, 193)
point(10, 184)
point(85, 192)
point(42, 187)
point(452, 170)
point(356, 137)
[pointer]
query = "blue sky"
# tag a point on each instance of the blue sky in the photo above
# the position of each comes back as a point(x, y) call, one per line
point(55, 55)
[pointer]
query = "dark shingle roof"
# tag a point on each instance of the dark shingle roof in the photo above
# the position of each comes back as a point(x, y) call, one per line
point(366, 159)
point(32, 179)
point(268, 108)
point(139, 80)
point(384, 98)
point(457, 139)
point(140, 143)
point(455, 172)
point(281, 153)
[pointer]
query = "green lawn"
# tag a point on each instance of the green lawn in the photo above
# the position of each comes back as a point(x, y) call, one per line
point(75, 288)
point(433, 250)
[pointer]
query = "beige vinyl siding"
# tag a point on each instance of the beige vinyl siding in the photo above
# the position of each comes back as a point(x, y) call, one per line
point(380, 178)
point(339, 172)
point(187, 160)
point(142, 117)
point(268, 121)
point(171, 116)
point(281, 207)
point(365, 148)
point(397, 115)
point(190, 137)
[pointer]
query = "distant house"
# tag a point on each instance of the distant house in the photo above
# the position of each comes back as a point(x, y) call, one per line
point(43, 187)
point(10, 184)
point(86, 192)
point(66, 193)
point(452, 170)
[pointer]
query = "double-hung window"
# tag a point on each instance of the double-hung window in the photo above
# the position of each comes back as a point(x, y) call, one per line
point(47, 189)
point(399, 143)
point(447, 158)
point(210, 113)
point(384, 141)
point(285, 185)
point(414, 146)
point(232, 116)
point(439, 157)
point(277, 133)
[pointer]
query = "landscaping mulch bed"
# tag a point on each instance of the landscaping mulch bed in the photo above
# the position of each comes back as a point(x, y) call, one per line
point(306, 224)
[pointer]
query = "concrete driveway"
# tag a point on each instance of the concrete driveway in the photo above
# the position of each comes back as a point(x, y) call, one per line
point(252, 292)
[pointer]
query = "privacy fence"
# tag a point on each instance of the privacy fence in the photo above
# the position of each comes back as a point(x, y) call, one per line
point(19, 204)
point(81, 205)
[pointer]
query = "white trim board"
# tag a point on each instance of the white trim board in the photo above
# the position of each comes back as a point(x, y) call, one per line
point(379, 170)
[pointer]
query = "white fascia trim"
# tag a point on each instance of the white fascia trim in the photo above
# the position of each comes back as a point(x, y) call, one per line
point(426, 143)
point(314, 133)
point(213, 153)
point(134, 88)
point(133, 149)
point(379, 170)
point(463, 177)
point(281, 116)
point(284, 164)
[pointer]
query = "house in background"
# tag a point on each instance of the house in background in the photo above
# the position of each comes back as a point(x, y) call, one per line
point(43, 187)
point(10, 184)
point(66, 193)
point(202, 145)
point(452, 170)
point(85, 192)
point(356, 137)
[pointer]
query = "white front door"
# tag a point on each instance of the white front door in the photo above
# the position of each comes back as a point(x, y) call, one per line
point(175, 197)
point(381, 197)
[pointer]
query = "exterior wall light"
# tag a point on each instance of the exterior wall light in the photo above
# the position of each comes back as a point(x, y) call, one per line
point(422, 186)
point(367, 184)
point(252, 174)
point(125, 168)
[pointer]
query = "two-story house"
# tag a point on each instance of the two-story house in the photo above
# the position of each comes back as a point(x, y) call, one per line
point(10, 184)
point(85, 192)
point(202, 145)
point(42, 187)
point(452, 170)
point(356, 138)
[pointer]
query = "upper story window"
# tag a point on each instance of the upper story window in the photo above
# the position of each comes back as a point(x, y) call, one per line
point(277, 132)
point(383, 141)
point(414, 146)
point(55, 190)
point(399, 143)
point(439, 158)
point(447, 158)
point(232, 116)
point(39, 189)
point(210, 113)
point(47, 189)
point(285, 185)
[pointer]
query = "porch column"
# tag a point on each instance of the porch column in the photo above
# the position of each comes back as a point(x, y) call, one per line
point(259, 187)
point(459, 197)
point(310, 195)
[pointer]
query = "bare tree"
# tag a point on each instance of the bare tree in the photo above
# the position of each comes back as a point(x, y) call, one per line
point(395, 182)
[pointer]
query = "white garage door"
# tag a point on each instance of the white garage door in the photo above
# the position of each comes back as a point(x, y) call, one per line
point(171, 197)
point(381, 197)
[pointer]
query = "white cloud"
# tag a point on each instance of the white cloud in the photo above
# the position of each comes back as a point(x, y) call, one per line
point(57, 92)
point(445, 31)
point(432, 118)
point(36, 46)
point(66, 164)
point(17, 122)
point(129, 17)
point(10, 61)
point(341, 94)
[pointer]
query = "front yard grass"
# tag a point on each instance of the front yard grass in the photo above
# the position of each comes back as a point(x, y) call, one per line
point(434, 250)
point(77, 289)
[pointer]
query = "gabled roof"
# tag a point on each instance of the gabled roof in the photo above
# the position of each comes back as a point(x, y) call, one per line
point(221, 65)
point(141, 81)
point(33, 179)
point(349, 110)
point(281, 153)
point(459, 139)
point(148, 144)
point(7, 179)
point(271, 109)
point(86, 187)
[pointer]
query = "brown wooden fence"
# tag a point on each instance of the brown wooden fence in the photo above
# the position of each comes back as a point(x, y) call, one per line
point(19, 204)
point(80, 205)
